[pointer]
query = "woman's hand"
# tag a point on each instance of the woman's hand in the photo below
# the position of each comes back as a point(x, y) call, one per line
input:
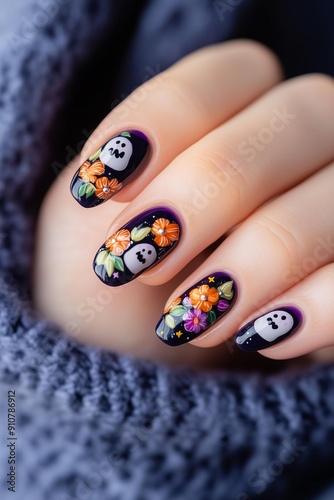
point(213, 146)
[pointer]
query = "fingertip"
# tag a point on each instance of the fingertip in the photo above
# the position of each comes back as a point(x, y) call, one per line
point(110, 168)
point(269, 329)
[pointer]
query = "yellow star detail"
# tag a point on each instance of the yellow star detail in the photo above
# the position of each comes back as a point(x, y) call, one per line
point(211, 279)
point(162, 333)
point(179, 333)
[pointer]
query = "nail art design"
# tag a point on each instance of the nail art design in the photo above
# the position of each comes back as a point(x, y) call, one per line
point(137, 246)
point(202, 305)
point(109, 168)
point(269, 329)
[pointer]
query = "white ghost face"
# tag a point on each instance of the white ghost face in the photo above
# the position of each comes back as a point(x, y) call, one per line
point(140, 257)
point(116, 153)
point(273, 325)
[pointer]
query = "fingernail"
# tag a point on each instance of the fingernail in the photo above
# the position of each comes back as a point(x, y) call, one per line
point(137, 246)
point(193, 312)
point(109, 169)
point(269, 329)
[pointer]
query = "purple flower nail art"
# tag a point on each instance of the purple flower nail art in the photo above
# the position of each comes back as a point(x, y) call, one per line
point(195, 320)
point(197, 309)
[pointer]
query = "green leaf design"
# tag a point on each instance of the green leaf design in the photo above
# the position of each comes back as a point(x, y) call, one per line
point(118, 263)
point(82, 190)
point(225, 290)
point(169, 320)
point(95, 155)
point(102, 257)
point(178, 310)
point(109, 266)
point(211, 317)
point(125, 134)
point(86, 189)
point(90, 190)
point(140, 234)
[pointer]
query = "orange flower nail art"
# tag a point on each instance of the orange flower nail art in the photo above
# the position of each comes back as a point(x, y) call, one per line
point(165, 232)
point(204, 297)
point(118, 242)
point(106, 188)
point(89, 171)
point(135, 247)
point(197, 309)
point(109, 168)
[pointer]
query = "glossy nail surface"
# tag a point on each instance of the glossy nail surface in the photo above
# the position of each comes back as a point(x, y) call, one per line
point(269, 329)
point(137, 246)
point(193, 312)
point(109, 169)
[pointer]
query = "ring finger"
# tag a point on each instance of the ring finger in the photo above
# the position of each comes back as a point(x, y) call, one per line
point(272, 251)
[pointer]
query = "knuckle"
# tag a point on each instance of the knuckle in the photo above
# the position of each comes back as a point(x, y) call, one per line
point(220, 164)
point(284, 239)
point(179, 91)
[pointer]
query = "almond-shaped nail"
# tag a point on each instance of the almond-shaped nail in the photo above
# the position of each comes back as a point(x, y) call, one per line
point(138, 245)
point(269, 329)
point(198, 308)
point(109, 169)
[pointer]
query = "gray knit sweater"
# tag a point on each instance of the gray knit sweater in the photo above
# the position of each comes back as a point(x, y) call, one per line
point(97, 425)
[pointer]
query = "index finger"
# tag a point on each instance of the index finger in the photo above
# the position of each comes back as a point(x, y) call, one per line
point(169, 113)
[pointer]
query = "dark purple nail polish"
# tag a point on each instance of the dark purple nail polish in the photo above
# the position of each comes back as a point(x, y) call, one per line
point(193, 312)
point(109, 168)
point(137, 246)
point(269, 329)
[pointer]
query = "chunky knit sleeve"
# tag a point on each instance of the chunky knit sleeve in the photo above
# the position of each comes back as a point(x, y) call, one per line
point(94, 424)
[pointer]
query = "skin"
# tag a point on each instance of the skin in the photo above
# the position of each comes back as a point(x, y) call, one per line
point(221, 115)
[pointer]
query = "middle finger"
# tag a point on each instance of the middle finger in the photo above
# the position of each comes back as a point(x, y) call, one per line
point(271, 146)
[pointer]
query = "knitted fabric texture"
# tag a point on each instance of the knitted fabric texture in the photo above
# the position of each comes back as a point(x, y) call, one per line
point(97, 425)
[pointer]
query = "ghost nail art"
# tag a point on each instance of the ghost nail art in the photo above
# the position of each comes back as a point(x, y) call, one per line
point(198, 308)
point(269, 329)
point(138, 245)
point(109, 169)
